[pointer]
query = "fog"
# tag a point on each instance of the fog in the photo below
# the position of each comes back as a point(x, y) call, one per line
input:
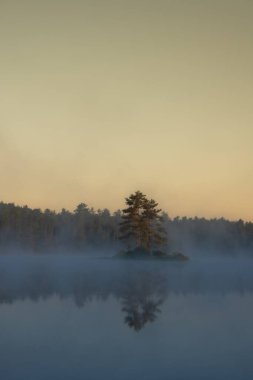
point(83, 278)
point(73, 316)
point(88, 231)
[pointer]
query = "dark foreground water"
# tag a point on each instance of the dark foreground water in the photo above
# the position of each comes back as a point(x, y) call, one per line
point(78, 318)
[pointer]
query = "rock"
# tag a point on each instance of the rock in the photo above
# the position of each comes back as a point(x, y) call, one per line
point(142, 253)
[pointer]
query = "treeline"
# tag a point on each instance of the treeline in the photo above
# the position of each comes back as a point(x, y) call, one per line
point(37, 230)
point(86, 228)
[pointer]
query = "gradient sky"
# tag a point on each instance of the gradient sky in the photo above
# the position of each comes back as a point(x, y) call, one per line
point(99, 98)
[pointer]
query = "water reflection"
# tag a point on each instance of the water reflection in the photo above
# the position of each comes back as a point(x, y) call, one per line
point(140, 311)
point(140, 293)
point(140, 288)
point(71, 318)
point(143, 298)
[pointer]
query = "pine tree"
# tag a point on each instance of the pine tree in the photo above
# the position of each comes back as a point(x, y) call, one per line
point(154, 234)
point(130, 227)
point(142, 222)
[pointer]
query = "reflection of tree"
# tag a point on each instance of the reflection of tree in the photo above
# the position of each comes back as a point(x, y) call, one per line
point(141, 302)
point(140, 287)
point(140, 311)
point(140, 292)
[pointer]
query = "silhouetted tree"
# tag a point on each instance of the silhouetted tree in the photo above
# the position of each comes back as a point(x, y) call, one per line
point(141, 222)
point(154, 233)
point(140, 225)
point(131, 227)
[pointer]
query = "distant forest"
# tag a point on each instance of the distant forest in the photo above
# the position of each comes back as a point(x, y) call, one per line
point(88, 230)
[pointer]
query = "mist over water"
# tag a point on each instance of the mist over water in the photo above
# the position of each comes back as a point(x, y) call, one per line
point(75, 317)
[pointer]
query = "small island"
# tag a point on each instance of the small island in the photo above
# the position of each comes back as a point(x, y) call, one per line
point(142, 231)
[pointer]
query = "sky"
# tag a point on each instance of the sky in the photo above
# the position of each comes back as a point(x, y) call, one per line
point(100, 98)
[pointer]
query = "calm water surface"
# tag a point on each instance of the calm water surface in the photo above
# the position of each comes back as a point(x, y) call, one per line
point(78, 318)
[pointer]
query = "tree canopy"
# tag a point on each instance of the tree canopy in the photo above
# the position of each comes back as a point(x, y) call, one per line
point(85, 229)
point(142, 223)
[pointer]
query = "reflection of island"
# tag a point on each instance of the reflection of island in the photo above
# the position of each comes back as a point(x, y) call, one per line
point(141, 292)
point(140, 311)
point(141, 301)
point(140, 287)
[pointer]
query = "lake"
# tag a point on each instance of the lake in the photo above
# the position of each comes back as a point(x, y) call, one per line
point(72, 317)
